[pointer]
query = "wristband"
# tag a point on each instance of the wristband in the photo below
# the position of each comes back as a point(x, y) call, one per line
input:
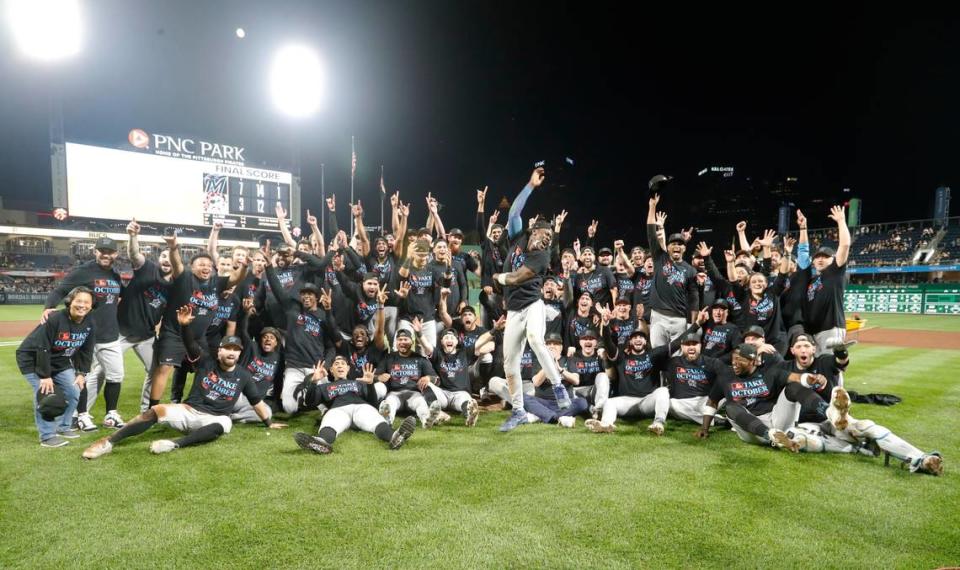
point(266, 422)
point(502, 278)
point(805, 380)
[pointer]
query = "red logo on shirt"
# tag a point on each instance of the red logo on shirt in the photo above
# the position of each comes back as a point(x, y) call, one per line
point(64, 336)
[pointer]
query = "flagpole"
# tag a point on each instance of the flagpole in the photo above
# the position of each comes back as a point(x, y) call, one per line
point(383, 194)
point(353, 169)
point(323, 204)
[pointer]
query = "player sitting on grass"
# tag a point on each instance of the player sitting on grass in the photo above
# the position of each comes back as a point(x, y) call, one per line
point(205, 415)
point(407, 376)
point(452, 364)
point(351, 404)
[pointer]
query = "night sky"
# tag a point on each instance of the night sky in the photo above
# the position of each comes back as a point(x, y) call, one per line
point(450, 96)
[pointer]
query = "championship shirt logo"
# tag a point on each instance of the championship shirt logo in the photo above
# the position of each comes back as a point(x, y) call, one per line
point(814, 287)
point(64, 336)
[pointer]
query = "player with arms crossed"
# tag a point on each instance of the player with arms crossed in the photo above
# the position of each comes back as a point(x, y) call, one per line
point(528, 259)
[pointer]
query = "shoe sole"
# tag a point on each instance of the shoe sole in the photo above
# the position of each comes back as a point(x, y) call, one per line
point(385, 411)
point(656, 429)
point(403, 433)
point(310, 443)
point(473, 413)
point(841, 403)
point(781, 439)
point(53, 445)
point(432, 418)
point(596, 427)
point(100, 451)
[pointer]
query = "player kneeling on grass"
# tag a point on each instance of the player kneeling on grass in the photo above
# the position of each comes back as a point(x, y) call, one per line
point(638, 381)
point(205, 415)
point(407, 376)
point(350, 403)
point(452, 364)
point(762, 403)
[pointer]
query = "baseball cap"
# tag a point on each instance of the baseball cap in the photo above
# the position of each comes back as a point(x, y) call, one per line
point(270, 330)
point(605, 251)
point(622, 301)
point(690, 337)
point(553, 337)
point(542, 225)
point(824, 251)
point(468, 309)
point(754, 330)
point(455, 232)
point(49, 406)
point(106, 243)
point(404, 332)
point(640, 332)
point(675, 238)
point(720, 303)
point(747, 351)
point(449, 331)
point(803, 337)
point(589, 333)
point(231, 341)
point(310, 288)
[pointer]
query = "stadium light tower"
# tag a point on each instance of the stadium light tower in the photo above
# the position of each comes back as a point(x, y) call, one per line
point(297, 81)
point(45, 30)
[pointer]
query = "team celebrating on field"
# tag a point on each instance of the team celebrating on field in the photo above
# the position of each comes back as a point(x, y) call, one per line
point(359, 331)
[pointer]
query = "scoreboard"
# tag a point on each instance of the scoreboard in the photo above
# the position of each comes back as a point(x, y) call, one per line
point(927, 298)
point(174, 181)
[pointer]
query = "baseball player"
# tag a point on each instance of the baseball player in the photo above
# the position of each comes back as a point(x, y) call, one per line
point(674, 297)
point(690, 377)
point(586, 366)
point(452, 364)
point(350, 403)
point(205, 415)
point(407, 376)
point(527, 261)
point(264, 361)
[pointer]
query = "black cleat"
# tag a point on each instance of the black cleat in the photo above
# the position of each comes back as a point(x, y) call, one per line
point(404, 432)
point(312, 443)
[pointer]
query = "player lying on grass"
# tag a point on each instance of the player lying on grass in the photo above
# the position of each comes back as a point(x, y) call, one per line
point(205, 415)
point(350, 403)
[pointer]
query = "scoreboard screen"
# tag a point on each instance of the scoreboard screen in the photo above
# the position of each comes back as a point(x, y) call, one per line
point(926, 298)
point(175, 181)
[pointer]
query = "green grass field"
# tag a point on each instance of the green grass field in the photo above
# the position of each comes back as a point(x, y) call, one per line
point(457, 497)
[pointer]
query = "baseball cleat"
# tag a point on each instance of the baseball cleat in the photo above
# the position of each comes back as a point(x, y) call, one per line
point(98, 448)
point(567, 421)
point(473, 413)
point(517, 418)
point(839, 407)
point(779, 439)
point(162, 446)
point(85, 422)
point(312, 443)
point(931, 463)
point(434, 415)
point(385, 410)
point(113, 420)
point(563, 399)
point(404, 432)
point(656, 428)
point(596, 427)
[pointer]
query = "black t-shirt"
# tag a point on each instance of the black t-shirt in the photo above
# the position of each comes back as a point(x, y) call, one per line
point(215, 391)
point(468, 339)
point(453, 369)
point(638, 375)
point(823, 304)
point(555, 313)
point(364, 307)
point(757, 392)
point(529, 365)
point(311, 335)
point(575, 328)
point(826, 365)
point(521, 296)
point(228, 309)
point(641, 294)
point(675, 289)
point(598, 282)
point(692, 379)
point(107, 288)
point(202, 295)
point(384, 269)
point(424, 295)
point(625, 285)
point(358, 359)
point(57, 345)
point(404, 371)
point(143, 303)
point(720, 340)
point(291, 278)
point(263, 368)
point(340, 393)
point(586, 366)
point(621, 330)
point(763, 312)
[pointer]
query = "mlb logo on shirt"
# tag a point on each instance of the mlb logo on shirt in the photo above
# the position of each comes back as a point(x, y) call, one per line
point(736, 386)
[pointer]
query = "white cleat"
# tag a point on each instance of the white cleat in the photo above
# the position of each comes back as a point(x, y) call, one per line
point(780, 439)
point(839, 408)
point(98, 448)
point(433, 417)
point(596, 427)
point(656, 428)
point(567, 421)
point(385, 410)
point(162, 446)
point(473, 413)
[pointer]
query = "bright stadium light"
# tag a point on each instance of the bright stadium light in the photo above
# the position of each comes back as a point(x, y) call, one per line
point(297, 81)
point(46, 30)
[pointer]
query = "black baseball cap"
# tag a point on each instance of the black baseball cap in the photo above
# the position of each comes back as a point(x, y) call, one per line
point(553, 337)
point(747, 351)
point(270, 330)
point(622, 301)
point(455, 232)
point(675, 238)
point(105, 243)
point(589, 333)
point(720, 303)
point(449, 331)
point(468, 309)
point(605, 251)
point(231, 341)
point(640, 332)
point(754, 330)
point(310, 288)
point(693, 337)
point(404, 332)
point(803, 336)
point(824, 251)
point(49, 406)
